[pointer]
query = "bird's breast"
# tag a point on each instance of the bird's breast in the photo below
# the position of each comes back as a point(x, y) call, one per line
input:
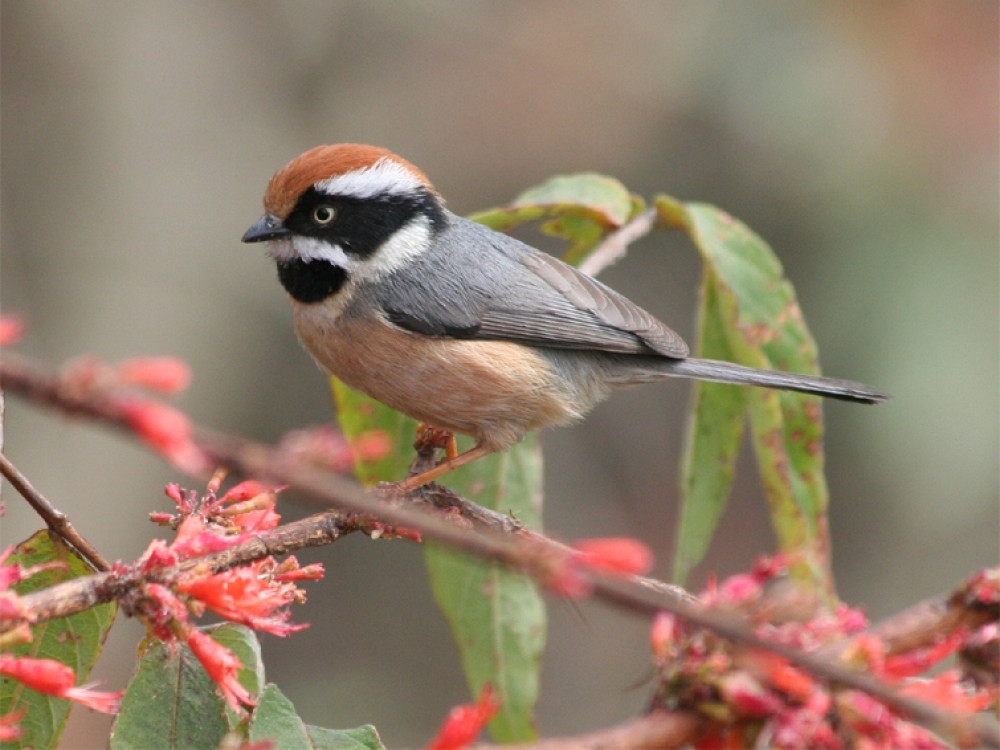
point(495, 391)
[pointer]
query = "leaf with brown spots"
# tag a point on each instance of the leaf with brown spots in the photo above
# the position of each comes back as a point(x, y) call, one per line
point(750, 315)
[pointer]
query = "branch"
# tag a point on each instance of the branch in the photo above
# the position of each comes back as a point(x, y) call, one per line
point(54, 518)
point(614, 246)
point(660, 729)
point(536, 555)
point(80, 594)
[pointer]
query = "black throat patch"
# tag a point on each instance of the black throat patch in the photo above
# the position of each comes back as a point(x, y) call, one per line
point(310, 281)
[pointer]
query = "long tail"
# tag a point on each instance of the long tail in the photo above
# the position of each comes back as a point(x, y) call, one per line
point(727, 372)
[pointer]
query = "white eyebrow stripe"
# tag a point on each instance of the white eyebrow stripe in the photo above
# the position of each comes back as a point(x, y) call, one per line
point(382, 177)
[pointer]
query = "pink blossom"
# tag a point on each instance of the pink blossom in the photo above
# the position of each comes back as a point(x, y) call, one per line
point(166, 430)
point(248, 490)
point(748, 696)
point(167, 375)
point(615, 555)
point(664, 635)
point(196, 538)
point(11, 329)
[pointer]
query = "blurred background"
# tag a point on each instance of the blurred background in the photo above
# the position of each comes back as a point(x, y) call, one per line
point(861, 140)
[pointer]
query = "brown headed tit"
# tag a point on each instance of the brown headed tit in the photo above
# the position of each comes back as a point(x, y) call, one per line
point(454, 324)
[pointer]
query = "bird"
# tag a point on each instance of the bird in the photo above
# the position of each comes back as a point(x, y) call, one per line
point(463, 328)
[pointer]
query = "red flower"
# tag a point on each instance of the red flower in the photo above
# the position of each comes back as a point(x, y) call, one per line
point(946, 691)
point(748, 696)
point(248, 490)
point(664, 635)
point(167, 375)
point(465, 722)
point(246, 595)
point(9, 729)
point(196, 538)
point(222, 666)
point(616, 555)
point(293, 572)
point(11, 329)
point(166, 430)
point(55, 678)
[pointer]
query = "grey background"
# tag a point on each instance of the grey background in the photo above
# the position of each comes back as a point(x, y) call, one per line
point(859, 139)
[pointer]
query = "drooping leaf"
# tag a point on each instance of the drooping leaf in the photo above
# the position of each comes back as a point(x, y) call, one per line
point(764, 328)
point(275, 719)
point(712, 442)
point(171, 702)
point(580, 208)
point(76, 641)
point(497, 617)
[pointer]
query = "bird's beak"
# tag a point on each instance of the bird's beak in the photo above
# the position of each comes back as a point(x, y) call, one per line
point(267, 228)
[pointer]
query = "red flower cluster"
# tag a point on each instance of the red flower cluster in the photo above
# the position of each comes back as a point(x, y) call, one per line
point(757, 698)
point(257, 594)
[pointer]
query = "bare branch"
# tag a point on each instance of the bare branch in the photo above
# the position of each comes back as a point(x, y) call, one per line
point(54, 518)
point(657, 729)
point(613, 247)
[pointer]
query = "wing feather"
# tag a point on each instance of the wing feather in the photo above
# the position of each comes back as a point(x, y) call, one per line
point(552, 306)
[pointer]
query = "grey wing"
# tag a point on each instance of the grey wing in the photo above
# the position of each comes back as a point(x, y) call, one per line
point(510, 291)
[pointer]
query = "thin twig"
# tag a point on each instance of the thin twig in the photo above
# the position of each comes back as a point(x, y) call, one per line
point(614, 246)
point(54, 518)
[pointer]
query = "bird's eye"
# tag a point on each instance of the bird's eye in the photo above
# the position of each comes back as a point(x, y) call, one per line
point(323, 215)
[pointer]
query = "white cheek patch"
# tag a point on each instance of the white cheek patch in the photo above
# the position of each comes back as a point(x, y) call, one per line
point(409, 242)
point(383, 177)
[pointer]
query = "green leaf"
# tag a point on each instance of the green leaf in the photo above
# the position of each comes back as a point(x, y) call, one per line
point(360, 738)
point(580, 208)
point(359, 414)
point(171, 702)
point(275, 719)
point(712, 442)
point(764, 327)
point(75, 641)
point(497, 617)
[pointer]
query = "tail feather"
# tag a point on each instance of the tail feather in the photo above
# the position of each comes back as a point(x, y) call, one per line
point(728, 372)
